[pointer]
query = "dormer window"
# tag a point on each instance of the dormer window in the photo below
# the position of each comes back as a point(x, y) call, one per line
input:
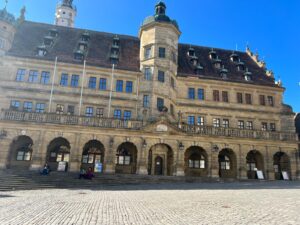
point(78, 55)
point(248, 75)
point(199, 69)
point(217, 62)
point(234, 57)
point(41, 50)
point(114, 56)
point(48, 40)
point(85, 37)
point(212, 54)
point(194, 60)
point(82, 46)
point(191, 52)
point(53, 33)
point(223, 73)
point(240, 66)
point(116, 42)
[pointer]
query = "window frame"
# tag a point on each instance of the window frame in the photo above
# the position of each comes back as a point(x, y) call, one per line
point(117, 114)
point(103, 84)
point(162, 52)
point(40, 107)
point(26, 108)
point(21, 73)
point(64, 80)
point(45, 77)
point(74, 81)
point(201, 94)
point(216, 95)
point(146, 101)
point(129, 87)
point(33, 76)
point(92, 83)
point(191, 93)
point(161, 76)
point(119, 85)
point(89, 111)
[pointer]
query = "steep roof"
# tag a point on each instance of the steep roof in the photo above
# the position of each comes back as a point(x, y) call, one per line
point(30, 35)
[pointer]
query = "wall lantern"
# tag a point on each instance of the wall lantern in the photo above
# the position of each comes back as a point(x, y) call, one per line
point(144, 143)
point(111, 142)
point(215, 148)
point(181, 146)
point(3, 134)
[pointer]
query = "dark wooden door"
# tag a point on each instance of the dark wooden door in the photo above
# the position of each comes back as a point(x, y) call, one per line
point(158, 166)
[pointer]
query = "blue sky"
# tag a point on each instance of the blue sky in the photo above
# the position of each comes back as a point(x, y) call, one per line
point(271, 27)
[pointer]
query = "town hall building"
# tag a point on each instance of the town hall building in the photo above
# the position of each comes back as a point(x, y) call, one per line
point(138, 105)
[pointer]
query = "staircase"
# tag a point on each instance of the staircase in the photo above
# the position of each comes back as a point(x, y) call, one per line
point(30, 180)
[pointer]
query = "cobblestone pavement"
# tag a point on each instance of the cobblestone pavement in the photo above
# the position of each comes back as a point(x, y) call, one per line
point(228, 203)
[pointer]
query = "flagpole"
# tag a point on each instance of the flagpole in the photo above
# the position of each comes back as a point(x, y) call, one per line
point(111, 89)
point(137, 95)
point(82, 83)
point(52, 86)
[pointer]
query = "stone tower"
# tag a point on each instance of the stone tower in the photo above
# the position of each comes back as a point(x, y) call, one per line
point(158, 60)
point(65, 14)
point(8, 25)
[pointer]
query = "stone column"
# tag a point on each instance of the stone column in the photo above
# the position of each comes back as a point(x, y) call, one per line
point(241, 164)
point(180, 162)
point(293, 164)
point(270, 174)
point(37, 152)
point(75, 154)
point(214, 162)
point(4, 153)
point(141, 161)
point(110, 157)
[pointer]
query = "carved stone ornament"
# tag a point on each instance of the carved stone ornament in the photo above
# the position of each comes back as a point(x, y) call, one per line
point(162, 128)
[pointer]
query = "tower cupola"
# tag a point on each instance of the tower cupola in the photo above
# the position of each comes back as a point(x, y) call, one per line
point(65, 13)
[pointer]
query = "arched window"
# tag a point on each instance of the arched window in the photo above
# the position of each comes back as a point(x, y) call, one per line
point(197, 161)
point(123, 157)
point(24, 153)
point(225, 163)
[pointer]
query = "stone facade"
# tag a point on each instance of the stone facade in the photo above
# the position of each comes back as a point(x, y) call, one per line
point(46, 118)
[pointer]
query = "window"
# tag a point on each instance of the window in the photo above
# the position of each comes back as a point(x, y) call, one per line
point(241, 124)
point(239, 97)
point(160, 103)
point(272, 127)
point(264, 126)
point(270, 101)
point(201, 94)
point(147, 73)
point(92, 82)
point(216, 96)
point(119, 87)
point(99, 112)
point(33, 76)
point(20, 75)
point(64, 79)
point(71, 109)
point(248, 99)
point(172, 109)
point(123, 157)
point(174, 58)
point(14, 105)
point(74, 80)
point(23, 155)
point(225, 96)
point(129, 85)
point(225, 123)
point(196, 161)
point(262, 100)
point(146, 101)
point(191, 120)
point(147, 53)
point(251, 166)
point(224, 162)
point(216, 122)
point(102, 84)
point(40, 107)
point(45, 77)
point(27, 106)
point(89, 111)
point(127, 115)
point(117, 114)
point(2, 43)
point(200, 121)
point(172, 82)
point(249, 125)
point(191, 93)
point(59, 109)
point(161, 76)
point(162, 53)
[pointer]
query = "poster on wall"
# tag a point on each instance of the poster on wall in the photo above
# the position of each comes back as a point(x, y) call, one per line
point(98, 167)
point(285, 175)
point(260, 175)
point(62, 166)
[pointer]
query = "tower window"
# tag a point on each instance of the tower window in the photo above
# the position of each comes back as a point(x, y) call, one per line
point(162, 53)
point(146, 101)
point(160, 104)
point(147, 53)
point(147, 73)
point(161, 76)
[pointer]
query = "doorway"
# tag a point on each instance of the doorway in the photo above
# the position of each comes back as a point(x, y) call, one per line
point(158, 170)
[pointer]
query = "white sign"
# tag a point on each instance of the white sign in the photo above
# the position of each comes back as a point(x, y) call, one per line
point(260, 175)
point(62, 166)
point(162, 128)
point(285, 175)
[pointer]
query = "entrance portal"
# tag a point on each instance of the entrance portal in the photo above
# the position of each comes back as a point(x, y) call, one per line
point(158, 166)
point(227, 164)
point(93, 156)
point(58, 151)
point(126, 158)
point(255, 162)
point(281, 164)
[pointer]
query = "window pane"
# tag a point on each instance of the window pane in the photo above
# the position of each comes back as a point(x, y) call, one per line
point(162, 53)
point(99, 112)
point(20, 155)
point(14, 104)
point(92, 82)
point(129, 86)
point(117, 114)
point(85, 159)
point(201, 94)
point(127, 160)
point(191, 165)
point(160, 103)
point(33, 76)
point(27, 106)
point(20, 75)
point(64, 79)
point(202, 164)
point(45, 77)
point(161, 76)
point(191, 120)
point(146, 102)
point(216, 96)
point(102, 84)
point(121, 160)
point(74, 80)
point(59, 157)
point(91, 159)
point(89, 111)
point(197, 164)
point(119, 87)
point(40, 107)
point(191, 93)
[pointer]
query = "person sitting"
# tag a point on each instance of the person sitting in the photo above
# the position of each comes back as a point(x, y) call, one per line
point(46, 170)
point(82, 173)
point(89, 174)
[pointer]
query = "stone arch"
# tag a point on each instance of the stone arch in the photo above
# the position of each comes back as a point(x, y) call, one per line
point(281, 163)
point(195, 162)
point(93, 156)
point(58, 150)
point(255, 161)
point(227, 163)
point(20, 153)
point(126, 158)
point(162, 152)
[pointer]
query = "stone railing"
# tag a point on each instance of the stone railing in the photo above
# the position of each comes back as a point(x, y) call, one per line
point(70, 120)
point(239, 133)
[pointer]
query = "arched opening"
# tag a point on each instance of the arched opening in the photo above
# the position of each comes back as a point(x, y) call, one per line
point(58, 151)
point(160, 160)
point(227, 164)
point(255, 162)
point(281, 165)
point(20, 153)
point(126, 158)
point(195, 159)
point(93, 156)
